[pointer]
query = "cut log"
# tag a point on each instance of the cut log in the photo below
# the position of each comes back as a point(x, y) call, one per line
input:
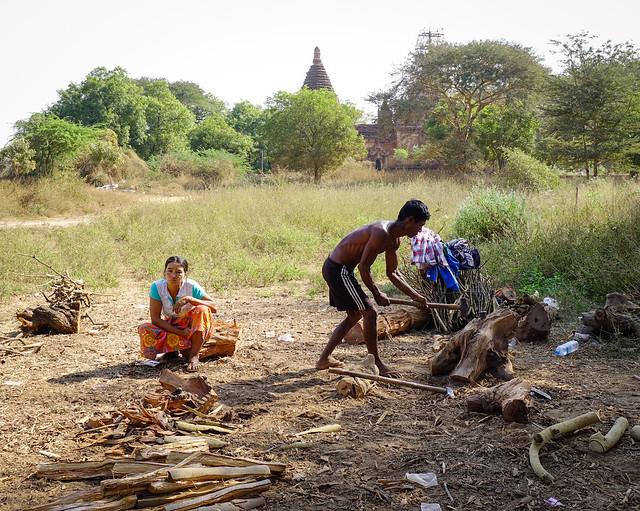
point(351, 386)
point(511, 398)
point(44, 319)
point(534, 325)
point(217, 473)
point(619, 316)
point(223, 341)
point(236, 505)
point(128, 502)
point(74, 471)
point(226, 494)
point(191, 491)
point(161, 487)
point(391, 324)
point(602, 443)
point(480, 347)
point(129, 468)
point(220, 460)
point(91, 494)
point(552, 432)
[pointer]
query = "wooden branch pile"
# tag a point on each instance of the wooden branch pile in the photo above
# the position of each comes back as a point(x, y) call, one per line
point(474, 285)
point(178, 412)
point(619, 316)
point(177, 481)
point(18, 346)
point(67, 303)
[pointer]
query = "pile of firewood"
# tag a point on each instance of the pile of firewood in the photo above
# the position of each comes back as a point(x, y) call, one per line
point(67, 303)
point(179, 411)
point(172, 482)
point(475, 286)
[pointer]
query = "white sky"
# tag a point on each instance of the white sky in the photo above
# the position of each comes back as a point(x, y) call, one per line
point(249, 49)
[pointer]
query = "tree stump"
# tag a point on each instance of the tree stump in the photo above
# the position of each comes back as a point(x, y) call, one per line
point(392, 323)
point(534, 325)
point(619, 316)
point(510, 398)
point(480, 347)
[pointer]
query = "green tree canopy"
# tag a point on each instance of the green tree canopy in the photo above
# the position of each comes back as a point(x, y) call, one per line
point(55, 141)
point(311, 131)
point(202, 104)
point(593, 106)
point(215, 133)
point(109, 99)
point(505, 126)
point(168, 121)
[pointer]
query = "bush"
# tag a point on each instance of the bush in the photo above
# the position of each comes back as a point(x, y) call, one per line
point(399, 153)
point(209, 168)
point(488, 213)
point(524, 172)
point(17, 159)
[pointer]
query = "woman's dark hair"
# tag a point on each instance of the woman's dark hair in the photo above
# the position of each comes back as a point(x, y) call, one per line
point(416, 209)
point(177, 259)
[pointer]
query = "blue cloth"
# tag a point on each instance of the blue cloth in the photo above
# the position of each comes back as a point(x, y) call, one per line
point(446, 275)
point(197, 290)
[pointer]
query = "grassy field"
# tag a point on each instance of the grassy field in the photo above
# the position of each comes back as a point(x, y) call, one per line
point(256, 235)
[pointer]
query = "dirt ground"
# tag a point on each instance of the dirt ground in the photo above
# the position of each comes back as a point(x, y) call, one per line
point(273, 392)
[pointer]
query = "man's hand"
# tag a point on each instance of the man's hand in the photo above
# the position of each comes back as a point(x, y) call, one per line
point(382, 299)
point(177, 307)
point(421, 300)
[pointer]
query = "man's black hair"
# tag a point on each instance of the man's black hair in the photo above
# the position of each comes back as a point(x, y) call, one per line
point(416, 209)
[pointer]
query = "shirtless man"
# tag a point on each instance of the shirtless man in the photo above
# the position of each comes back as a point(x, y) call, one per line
point(361, 248)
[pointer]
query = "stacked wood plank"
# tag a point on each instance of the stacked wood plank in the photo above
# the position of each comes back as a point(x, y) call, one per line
point(223, 341)
point(180, 481)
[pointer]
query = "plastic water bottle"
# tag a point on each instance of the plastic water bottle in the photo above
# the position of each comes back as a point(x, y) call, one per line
point(566, 348)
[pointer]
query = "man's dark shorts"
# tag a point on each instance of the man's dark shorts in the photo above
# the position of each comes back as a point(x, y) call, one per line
point(345, 293)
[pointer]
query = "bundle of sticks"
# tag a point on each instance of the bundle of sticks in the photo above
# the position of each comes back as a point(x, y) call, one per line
point(179, 411)
point(475, 286)
point(177, 481)
point(67, 302)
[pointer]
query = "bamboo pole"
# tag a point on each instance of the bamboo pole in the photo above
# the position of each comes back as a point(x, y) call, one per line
point(215, 473)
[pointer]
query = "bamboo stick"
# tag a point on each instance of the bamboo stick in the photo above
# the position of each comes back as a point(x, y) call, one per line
point(602, 443)
point(213, 443)
point(329, 428)
point(191, 427)
point(391, 381)
point(212, 473)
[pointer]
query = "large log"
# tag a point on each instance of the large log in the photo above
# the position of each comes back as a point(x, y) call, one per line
point(224, 495)
point(534, 325)
point(73, 471)
point(511, 398)
point(391, 324)
point(220, 460)
point(480, 347)
point(57, 319)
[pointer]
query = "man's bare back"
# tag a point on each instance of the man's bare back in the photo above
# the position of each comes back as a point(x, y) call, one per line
point(375, 237)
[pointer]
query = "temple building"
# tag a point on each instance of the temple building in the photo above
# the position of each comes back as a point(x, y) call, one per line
point(381, 138)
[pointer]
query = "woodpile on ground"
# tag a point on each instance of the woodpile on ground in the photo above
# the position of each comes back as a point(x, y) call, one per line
point(160, 457)
point(67, 303)
point(177, 481)
point(178, 415)
point(619, 316)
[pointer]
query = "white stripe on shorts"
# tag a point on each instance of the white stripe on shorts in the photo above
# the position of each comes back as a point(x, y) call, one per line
point(351, 289)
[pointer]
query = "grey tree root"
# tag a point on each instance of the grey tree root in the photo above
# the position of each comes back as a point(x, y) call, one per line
point(554, 431)
point(601, 443)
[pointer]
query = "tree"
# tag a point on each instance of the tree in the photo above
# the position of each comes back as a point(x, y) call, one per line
point(201, 103)
point(55, 141)
point(168, 121)
point(17, 159)
point(249, 119)
point(215, 133)
point(505, 126)
point(593, 104)
point(311, 131)
point(109, 99)
point(464, 79)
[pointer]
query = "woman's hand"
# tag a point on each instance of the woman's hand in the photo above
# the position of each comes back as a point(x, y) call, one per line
point(177, 307)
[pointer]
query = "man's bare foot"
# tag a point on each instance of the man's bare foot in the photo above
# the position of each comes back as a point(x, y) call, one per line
point(194, 364)
point(327, 363)
point(388, 372)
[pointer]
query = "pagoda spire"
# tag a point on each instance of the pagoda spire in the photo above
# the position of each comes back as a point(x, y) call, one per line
point(317, 77)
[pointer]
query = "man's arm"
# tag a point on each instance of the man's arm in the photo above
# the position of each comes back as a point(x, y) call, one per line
point(369, 255)
point(397, 279)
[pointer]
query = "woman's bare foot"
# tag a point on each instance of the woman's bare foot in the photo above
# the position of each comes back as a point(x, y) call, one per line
point(194, 364)
point(326, 363)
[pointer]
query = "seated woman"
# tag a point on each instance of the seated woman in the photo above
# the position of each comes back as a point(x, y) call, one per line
point(180, 315)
